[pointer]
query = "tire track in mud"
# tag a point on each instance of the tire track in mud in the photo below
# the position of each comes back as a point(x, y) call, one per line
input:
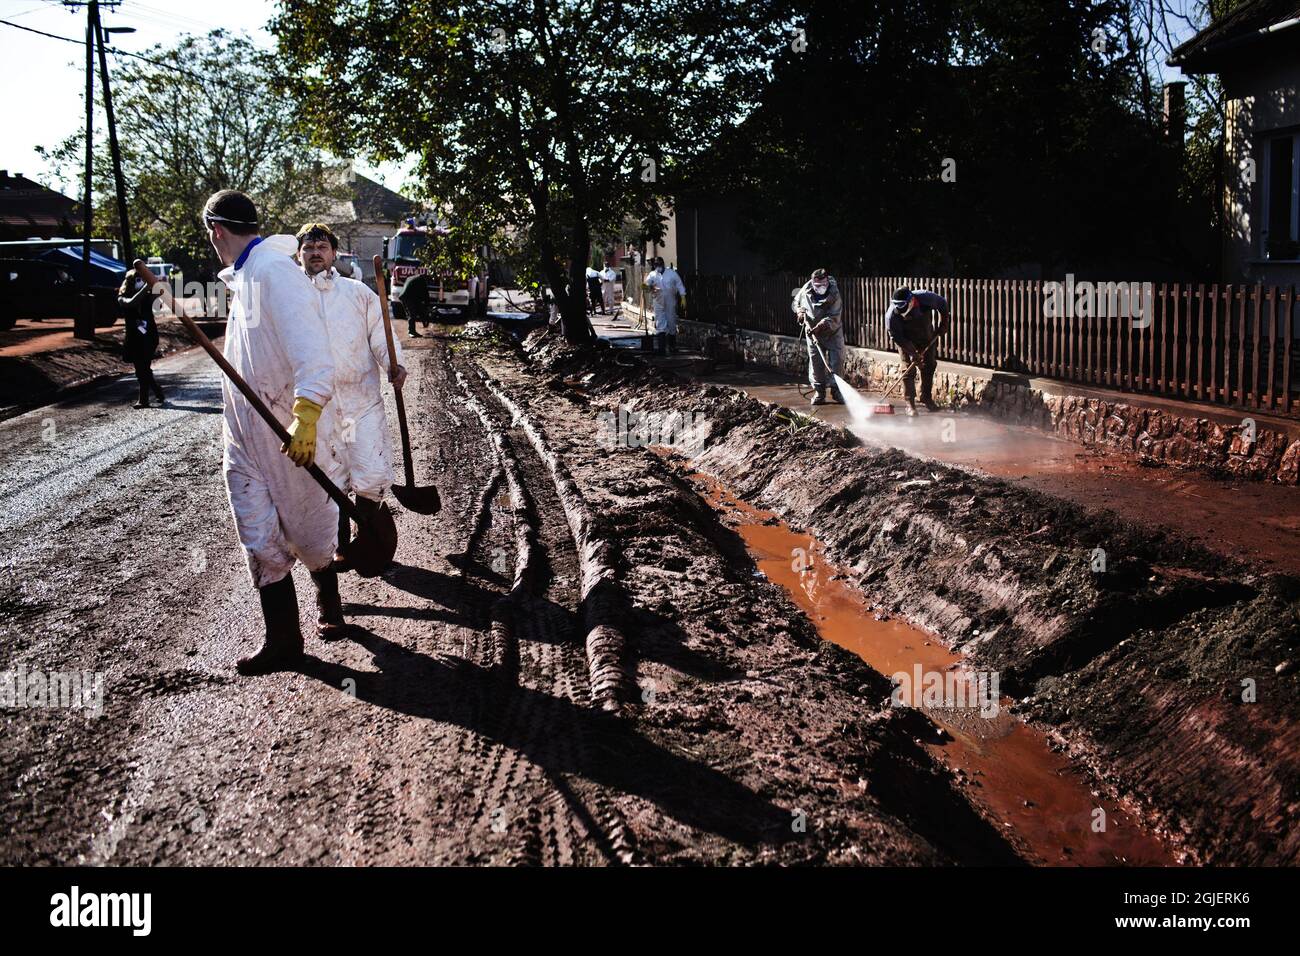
point(538, 618)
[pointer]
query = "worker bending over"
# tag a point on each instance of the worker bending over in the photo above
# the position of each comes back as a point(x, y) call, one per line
point(916, 319)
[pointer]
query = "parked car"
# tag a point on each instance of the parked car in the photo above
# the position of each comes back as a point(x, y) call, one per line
point(34, 289)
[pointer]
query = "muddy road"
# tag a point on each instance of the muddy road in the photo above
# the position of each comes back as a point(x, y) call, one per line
point(462, 720)
point(579, 661)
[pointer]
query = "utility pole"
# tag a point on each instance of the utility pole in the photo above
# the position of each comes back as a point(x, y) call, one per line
point(128, 253)
point(84, 323)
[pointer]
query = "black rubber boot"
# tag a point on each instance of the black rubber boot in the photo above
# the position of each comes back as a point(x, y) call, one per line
point(329, 621)
point(819, 398)
point(282, 649)
point(672, 344)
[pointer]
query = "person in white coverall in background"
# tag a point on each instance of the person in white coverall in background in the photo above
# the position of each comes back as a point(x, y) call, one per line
point(276, 340)
point(607, 279)
point(666, 288)
point(359, 346)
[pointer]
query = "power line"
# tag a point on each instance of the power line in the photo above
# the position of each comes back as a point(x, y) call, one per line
point(154, 13)
point(158, 63)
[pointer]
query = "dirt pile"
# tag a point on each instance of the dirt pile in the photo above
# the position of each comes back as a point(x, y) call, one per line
point(1170, 671)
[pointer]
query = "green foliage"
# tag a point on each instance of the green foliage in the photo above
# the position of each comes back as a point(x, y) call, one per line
point(538, 124)
point(1053, 138)
point(210, 119)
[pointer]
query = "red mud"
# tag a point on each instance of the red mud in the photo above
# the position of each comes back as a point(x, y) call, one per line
point(1011, 771)
point(1167, 669)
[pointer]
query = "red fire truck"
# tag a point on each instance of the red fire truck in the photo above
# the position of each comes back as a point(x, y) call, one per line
point(461, 297)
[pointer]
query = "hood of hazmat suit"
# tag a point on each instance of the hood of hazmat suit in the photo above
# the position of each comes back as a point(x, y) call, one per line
point(276, 340)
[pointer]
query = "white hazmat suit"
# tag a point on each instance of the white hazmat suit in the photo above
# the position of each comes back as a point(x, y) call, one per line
point(359, 441)
point(664, 288)
point(276, 340)
point(607, 279)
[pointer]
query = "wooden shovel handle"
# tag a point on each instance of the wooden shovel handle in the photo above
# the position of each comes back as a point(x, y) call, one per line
point(342, 500)
point(381, 287)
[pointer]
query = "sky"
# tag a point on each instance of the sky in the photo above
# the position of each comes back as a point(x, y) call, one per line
point(42, 80)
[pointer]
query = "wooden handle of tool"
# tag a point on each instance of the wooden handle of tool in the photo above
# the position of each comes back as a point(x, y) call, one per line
point(382, 288)
point(407, 464)
point(903, 374)
point(254, 399)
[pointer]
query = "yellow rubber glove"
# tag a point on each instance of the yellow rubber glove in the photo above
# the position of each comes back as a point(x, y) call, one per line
point(301, 447)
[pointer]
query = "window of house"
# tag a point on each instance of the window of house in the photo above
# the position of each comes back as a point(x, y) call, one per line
point(1280, 237)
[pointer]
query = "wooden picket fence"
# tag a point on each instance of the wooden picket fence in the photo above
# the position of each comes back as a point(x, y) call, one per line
point(1236, 345)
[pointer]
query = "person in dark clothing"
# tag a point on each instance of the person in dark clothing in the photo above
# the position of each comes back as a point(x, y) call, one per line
point(415, 300)
point(595, 296)
point(141, 342)
point(913, 327)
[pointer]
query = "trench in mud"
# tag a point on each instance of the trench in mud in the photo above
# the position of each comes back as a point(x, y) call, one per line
point(1007, 769)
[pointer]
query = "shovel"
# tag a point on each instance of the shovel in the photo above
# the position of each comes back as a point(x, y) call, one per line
point(423, 501)
point(372, 550)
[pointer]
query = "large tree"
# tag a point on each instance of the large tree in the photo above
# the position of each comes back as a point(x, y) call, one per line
point(200, 116)
point(954, 136)
point(537, 123)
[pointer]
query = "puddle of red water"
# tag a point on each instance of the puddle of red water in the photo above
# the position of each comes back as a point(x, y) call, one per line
point(1035, 793)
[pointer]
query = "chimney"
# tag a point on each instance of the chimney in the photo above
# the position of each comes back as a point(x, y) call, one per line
point(1176, 113)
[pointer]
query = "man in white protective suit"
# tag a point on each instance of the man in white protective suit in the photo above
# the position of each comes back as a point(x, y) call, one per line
point(354, 322)
point(666, 288)
point(276, 340)
point(607, 279)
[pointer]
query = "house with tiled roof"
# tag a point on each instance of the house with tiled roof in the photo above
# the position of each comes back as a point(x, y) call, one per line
point(1255, 51)
point(366, 214)
point(30, 211)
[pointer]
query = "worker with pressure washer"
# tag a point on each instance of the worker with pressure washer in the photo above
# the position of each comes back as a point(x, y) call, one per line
point(912, 324)
point(818, 306)
point(354, 322)
point(277, 343)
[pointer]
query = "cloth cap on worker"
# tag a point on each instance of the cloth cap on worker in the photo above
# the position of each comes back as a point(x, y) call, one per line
point(315, 231)
point(232, 209)
point(901, 299)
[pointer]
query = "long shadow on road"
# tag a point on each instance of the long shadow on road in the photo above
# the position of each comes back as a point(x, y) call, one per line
point(616, 756)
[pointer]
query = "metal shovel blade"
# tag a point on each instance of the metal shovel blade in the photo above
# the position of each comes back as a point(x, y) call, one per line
point(423, 501)
point(372, 550)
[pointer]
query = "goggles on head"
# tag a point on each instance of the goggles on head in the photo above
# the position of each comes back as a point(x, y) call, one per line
point(209, 218)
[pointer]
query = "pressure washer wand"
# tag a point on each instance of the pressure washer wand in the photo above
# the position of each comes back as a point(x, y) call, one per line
point(818, 346)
